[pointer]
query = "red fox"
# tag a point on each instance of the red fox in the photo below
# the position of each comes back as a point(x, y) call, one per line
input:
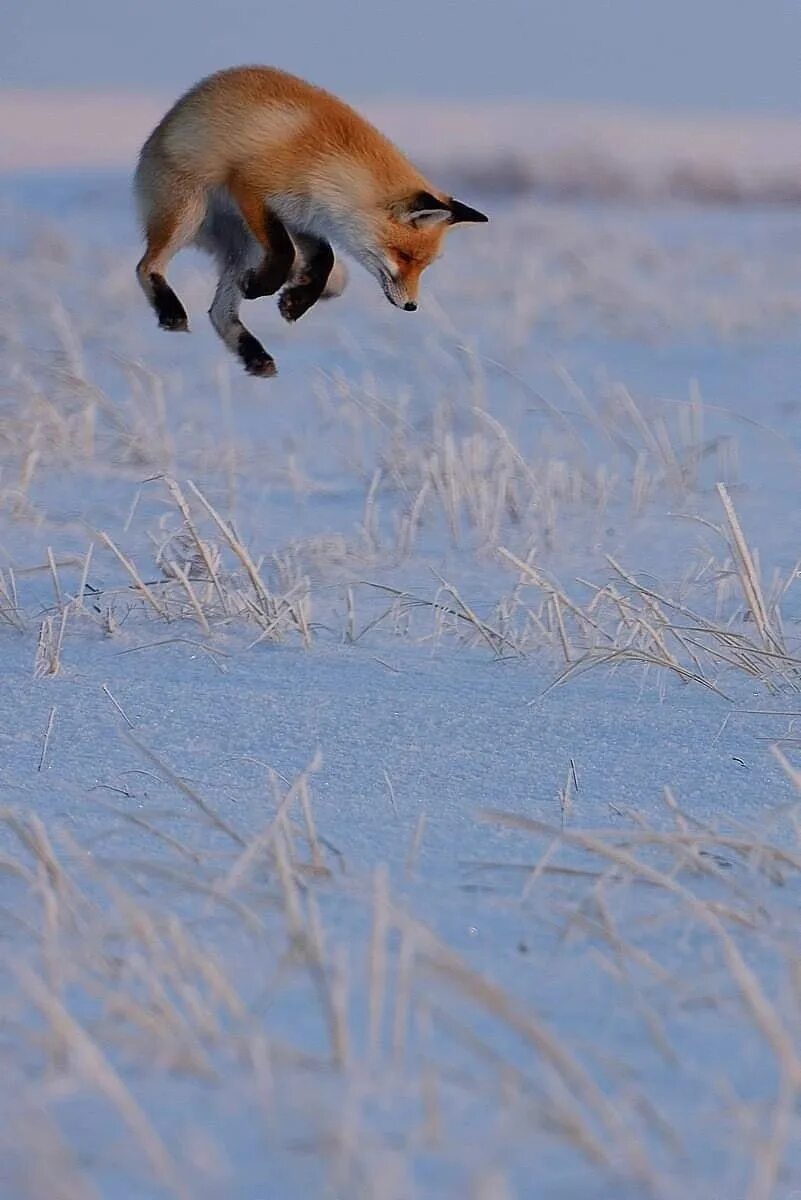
point(265, 171)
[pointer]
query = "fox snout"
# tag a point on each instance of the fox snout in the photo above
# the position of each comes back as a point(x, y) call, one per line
point(398, 292)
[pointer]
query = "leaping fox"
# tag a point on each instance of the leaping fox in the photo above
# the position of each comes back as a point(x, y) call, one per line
point(265, 171)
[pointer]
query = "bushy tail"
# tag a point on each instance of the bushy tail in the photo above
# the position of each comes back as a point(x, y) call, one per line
point(337, 281)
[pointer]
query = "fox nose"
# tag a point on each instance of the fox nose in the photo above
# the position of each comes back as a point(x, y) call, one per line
point(410, 306)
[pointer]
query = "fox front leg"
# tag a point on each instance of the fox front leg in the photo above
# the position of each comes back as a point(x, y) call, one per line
point(270, 232)
point(276, 266)
point(309, 278)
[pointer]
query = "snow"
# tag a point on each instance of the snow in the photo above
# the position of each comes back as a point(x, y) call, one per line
point(339, 893)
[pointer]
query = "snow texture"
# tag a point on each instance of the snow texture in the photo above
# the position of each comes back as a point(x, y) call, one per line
point(399, 796)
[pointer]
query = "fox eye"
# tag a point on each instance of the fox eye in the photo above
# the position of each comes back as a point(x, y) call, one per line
point(403, 257)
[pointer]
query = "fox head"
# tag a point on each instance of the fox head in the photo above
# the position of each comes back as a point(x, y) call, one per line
point(408, 239)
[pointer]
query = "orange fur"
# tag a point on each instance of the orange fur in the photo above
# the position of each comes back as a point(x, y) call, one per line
point(279, 132)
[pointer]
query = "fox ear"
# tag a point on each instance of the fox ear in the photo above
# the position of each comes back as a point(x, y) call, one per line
point(422, 210)
point(463, 212)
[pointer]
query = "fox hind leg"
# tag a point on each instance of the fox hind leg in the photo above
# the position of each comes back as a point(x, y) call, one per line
point(224, 314)
point(166, 234)
point(225, 236)
point(277, 247)
point(308, 281)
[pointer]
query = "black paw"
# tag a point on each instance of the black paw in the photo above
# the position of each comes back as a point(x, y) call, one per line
point(262, 281)
point(174, 322)
point(169, 310)
point(294, 302)
point(255, 358)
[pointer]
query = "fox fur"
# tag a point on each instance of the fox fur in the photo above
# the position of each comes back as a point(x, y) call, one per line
point(266, 172)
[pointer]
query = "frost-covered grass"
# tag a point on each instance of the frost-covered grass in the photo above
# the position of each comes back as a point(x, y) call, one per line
point(400, 755)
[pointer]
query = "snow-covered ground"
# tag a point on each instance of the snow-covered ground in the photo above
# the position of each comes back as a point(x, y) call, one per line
point(398, 755)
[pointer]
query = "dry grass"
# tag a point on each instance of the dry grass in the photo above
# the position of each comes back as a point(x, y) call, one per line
point(627, 620)
point(233, 965)
point(201, 573)
point(110, 976)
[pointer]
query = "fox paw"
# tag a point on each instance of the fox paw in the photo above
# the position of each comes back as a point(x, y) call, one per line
point(294, 302)
point(254, 357)
point(174, 322)
point(263, 281)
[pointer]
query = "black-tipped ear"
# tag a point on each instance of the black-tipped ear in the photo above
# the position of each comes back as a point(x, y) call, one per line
point(424, 209)
point(463, 212)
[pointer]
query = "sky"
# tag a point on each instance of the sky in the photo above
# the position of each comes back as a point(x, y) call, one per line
point(715, 55)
